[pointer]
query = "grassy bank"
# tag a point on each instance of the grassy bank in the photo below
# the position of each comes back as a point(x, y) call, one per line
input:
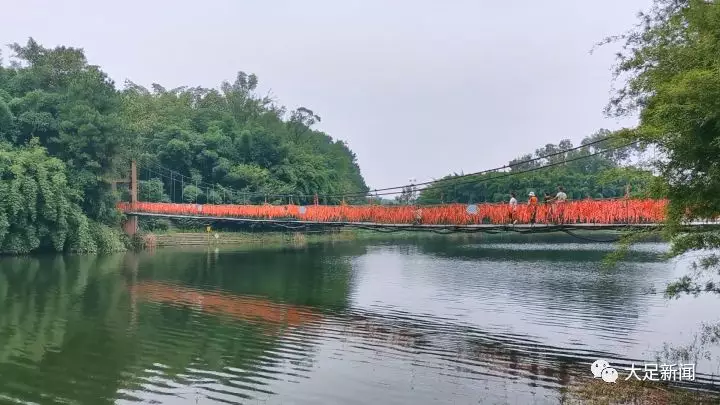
point(633, 392)
point(185, 237)
point(196, 236)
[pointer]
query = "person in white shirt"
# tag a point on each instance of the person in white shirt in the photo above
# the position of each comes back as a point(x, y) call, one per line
point(560, 199)
point(513, 208)
point(561, 196)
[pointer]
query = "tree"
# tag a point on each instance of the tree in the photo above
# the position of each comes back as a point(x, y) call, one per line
point(71, 108)
point(673, 81)
point(38, 209)
point(524, 162)
point(300, 122)
point(408, 195)
point(240, 141)
point(582, 172)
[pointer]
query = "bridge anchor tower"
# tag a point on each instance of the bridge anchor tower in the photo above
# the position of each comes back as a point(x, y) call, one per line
point(130, 226)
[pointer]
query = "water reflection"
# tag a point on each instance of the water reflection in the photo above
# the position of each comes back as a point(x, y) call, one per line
point(317, 275)
point(243, 308)
point(51, 340)
point(414, 322)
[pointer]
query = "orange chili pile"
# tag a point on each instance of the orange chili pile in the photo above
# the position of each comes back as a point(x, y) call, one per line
point(572, 212)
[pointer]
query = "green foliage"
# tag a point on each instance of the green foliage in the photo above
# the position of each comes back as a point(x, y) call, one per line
point(237, 140)
point(71, 107)
point(108, 239)
point(670, 62)
point(152, 191)
point(192, 194)
point(229, 138)
point(600, 176)
point(151, 224)
point(38, 210)
point(671, 59)
point(81, 239)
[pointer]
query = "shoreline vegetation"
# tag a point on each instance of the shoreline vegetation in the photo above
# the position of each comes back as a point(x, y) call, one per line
point(199, 236)
point(587, 391)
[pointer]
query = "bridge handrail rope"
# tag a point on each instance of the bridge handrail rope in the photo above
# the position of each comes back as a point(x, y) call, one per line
point(208, 186)
point(239, 195)
point(176, 175)
point(316, 199)
point(432, 184)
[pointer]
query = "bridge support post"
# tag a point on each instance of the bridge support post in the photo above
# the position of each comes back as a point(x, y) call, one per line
point(131, 225)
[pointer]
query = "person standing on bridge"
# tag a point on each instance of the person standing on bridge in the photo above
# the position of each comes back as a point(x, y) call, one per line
point(547, 203)
point(533, 203)
point(560, 200)
point(418, 216)
point(513, 208)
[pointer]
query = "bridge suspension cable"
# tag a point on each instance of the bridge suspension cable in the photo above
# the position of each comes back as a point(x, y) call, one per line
point(496, 169)
point(173, 174)
point(468, 180)
point(454, 180)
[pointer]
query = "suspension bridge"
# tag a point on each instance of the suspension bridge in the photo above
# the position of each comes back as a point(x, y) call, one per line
point(232, 206)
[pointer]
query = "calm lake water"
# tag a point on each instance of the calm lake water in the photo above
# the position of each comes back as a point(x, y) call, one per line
point(451, 321)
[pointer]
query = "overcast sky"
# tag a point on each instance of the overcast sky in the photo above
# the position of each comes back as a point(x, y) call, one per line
point(418, 89)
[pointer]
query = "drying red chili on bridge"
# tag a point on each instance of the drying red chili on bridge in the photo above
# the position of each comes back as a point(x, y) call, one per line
point(622, 211)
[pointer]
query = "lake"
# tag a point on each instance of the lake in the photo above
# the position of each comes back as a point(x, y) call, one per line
point(489, 320)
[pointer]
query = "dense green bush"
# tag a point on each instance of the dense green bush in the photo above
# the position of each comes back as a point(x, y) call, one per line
point(38, 211)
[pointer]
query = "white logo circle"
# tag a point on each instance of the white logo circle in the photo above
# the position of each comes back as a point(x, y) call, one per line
point(598, 367)
point(609, 374)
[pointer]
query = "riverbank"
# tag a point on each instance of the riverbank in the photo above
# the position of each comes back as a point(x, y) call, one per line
point(180, 238)
point(196, 237)
point(598, 392)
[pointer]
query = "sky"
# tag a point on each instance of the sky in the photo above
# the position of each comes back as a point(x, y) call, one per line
point(418, 89)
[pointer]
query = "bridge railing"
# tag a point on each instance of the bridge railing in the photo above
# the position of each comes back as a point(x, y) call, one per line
point(626, 211)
